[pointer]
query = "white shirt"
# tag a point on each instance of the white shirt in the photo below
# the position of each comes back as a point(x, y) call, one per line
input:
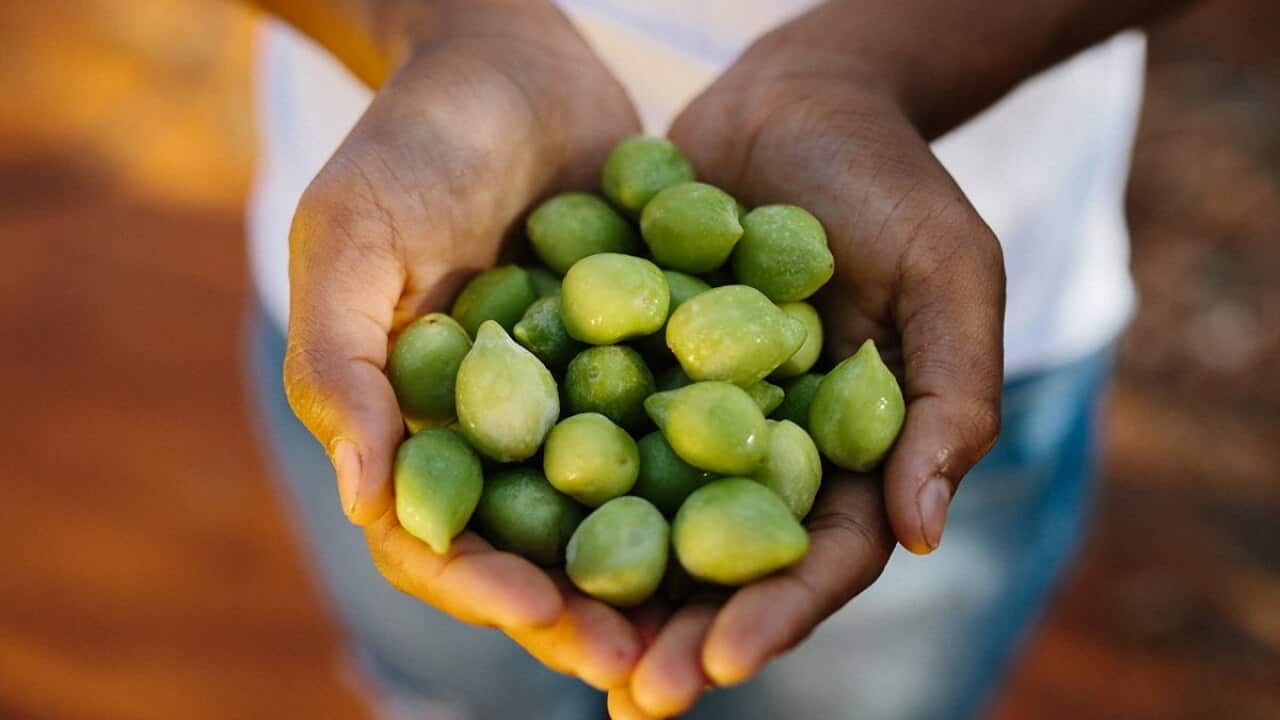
point(1046, 166)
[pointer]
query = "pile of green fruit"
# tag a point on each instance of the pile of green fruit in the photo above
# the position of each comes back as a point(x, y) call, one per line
point(652, 388)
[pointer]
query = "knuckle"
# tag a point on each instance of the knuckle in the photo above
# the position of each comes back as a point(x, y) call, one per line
point(977, 426)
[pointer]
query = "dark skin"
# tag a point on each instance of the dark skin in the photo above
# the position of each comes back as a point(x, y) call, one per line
point(486, 106)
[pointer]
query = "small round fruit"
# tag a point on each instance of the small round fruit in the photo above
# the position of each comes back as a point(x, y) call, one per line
point(783, 253)
point(571, 226)
point(423, 368)
point(619, 553)
point(639, 167)
point(732, 333)
point(590, 459)
point(438, 480)
point(608, 298)
point(520, 512)
point(506, 398)
point(714, 426)
point(501, 294)
point(792, 467)
point(541, 330)
point(857, 411)
point(691, 227)
point(734, 531)
point(611, 380)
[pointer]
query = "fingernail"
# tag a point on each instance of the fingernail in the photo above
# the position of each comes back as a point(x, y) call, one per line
point(346, 461)
point(933, 500)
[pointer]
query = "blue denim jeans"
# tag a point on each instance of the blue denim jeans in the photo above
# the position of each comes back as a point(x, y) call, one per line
point(930, 640)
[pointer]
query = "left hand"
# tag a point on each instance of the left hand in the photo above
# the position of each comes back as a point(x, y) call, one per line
point(916, 269)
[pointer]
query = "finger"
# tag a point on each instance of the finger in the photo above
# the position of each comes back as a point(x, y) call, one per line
point(472, 582)
point(950, 318)
point(669, 677)
point(345, 280)
point(622, 707)
point(849, 546)
point(589, 640)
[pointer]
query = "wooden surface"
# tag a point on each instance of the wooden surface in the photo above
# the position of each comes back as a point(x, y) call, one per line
point(149, 573)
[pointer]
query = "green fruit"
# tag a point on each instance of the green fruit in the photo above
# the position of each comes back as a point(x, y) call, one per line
point(607, 298)
point(714, 426)
point(541, 330)
point(507, 399)
point(423, 366)
point(438, 480)
point(767, 395)
point(639, 167)
point(799, 392)
point(783, 253)
point(521, 513)
point(501, 294)
point(732, 333)
point(857, 411)
point(734, 530)
point(571, 226)
point(611, 380)
point(691, 227)
point(619, 553)
point(807, 356)
point(545, 282)
point(654, 347)
point(590, 459)
point(665, 480)
point(792, 467)
point(673, 379)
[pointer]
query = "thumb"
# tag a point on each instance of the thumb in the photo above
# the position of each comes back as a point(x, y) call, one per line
point(345, 280)
point(950, 316)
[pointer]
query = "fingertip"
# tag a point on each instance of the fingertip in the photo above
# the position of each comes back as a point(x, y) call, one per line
point(622, 707)
point(918, 488)
point(759, 621)
point(723, 667)
point(669, 678)
point(907, 519)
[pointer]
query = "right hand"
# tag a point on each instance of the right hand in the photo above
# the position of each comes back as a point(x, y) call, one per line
point(502, 104)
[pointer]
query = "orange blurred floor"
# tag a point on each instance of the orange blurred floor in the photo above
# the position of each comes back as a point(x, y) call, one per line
point(149, 572)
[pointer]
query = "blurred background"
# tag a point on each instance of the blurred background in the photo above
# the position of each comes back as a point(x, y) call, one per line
point(148, 571)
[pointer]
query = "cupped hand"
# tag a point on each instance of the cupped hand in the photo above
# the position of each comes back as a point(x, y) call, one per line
point(916, 269)
point(500, 104)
